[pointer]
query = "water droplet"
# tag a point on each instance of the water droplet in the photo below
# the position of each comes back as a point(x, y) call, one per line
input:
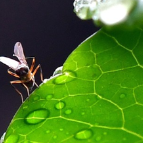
point(48, 131)
point(61, 129)
point(37, 116)
point(85, 9)
point(83, 113)
point(122, 96)
point(98, 138)
point(55, 137)
point(24, 107)
point(50, 96)
point(36, 98)
point(87, 100)
point(12, 139)
point(68, 111)
point(84, 134)
point(60, 105)
point(67, 133)
point(67, 76)
point(124, 139)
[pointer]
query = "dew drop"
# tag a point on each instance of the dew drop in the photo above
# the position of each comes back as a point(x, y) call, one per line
point(87, 100)
point(55, 137)
point(24, 107)
point(50, 96)
point(60, 105)
point(48, 131)
point(124, 139)
point(67, 76)
point(83, 135)
point(36, 98)
point(98, 138)
point(61, 129)
point(122, 96)
point(83, 113)
point(37, 116)
point(67, 133)
point(68, 111)
point(12, 139)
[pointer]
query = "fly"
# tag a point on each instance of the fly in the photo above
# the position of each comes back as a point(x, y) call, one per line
point(21, 70)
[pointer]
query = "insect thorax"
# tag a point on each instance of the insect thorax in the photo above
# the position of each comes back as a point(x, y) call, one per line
point(22, 71)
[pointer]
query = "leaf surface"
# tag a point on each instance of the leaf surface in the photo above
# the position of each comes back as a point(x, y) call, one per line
point(98, 98)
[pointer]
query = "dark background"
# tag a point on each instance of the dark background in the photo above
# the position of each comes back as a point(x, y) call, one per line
point(48, 30)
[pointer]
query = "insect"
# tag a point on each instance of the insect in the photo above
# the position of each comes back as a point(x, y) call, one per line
point(20, 69)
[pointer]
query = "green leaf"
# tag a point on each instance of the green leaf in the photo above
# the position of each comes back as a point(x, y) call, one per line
point(98, 98)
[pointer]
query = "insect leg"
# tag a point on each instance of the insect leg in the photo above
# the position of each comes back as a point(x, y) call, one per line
point(14, 82)
point(13, 74)
point(33, 62)
point(26, 88)
point(41, 74)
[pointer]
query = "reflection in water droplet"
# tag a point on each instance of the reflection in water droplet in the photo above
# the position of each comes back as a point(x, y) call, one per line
point(65, 77)
point(60, 105)
point(98, 138)
point(48, 131)
point(37, 116)
point(36, 98)
point(12, 139)
point(50, 96)
point(122, 96)
point(68, 111)
point(84, 134)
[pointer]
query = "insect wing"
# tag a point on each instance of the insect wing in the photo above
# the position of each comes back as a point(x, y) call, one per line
point(9, 62)
point(18, 52)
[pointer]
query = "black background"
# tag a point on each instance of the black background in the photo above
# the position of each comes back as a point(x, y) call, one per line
point(48, 30)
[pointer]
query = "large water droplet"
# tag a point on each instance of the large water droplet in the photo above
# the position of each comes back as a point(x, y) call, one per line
point(12, 139)
point(85, 8)
point(84, 134)
point(37, 116)
point(60, 105)
point(68, 111)
point(65, 77)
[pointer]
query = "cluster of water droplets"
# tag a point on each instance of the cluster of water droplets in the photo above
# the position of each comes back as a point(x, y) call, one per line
point(108, 12)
